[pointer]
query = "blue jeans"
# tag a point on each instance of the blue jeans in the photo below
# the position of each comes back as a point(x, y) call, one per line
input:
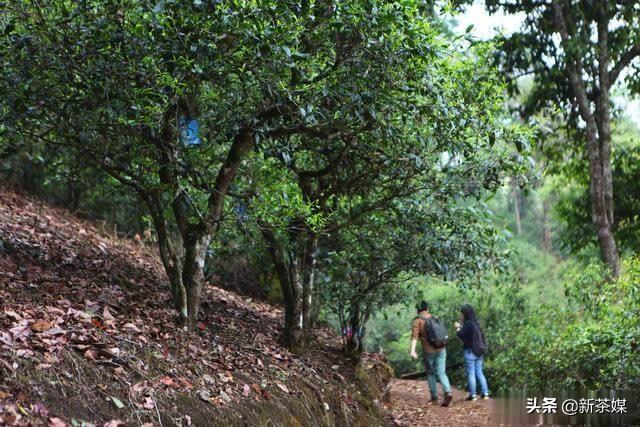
point(473, 365)
point(435, 364)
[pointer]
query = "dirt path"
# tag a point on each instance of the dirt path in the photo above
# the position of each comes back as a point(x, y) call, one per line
point(409, 405)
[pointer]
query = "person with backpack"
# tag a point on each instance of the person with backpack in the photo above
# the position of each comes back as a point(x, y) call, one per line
point(474, 347)
point(433, 336)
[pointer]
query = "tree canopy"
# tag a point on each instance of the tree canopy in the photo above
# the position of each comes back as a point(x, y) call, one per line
point(314, 117)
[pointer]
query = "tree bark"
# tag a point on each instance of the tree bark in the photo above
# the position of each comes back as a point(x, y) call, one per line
point(288, 269)
point(603, 112)
point(295, 262)
point(597, 132)
point(193, 274)
point(293, 334)
point(185, 269)
point(171, 259)
point(601, 211)
point(242, 143)
point(605, 215)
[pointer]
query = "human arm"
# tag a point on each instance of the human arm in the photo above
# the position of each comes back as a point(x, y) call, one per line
point(413, 353)
point(415, 334)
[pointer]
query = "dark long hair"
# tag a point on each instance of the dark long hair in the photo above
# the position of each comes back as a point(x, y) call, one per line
point(468, 313)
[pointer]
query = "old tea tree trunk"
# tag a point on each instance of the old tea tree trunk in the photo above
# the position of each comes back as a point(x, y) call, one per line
point(184, 258)
point(294, 260)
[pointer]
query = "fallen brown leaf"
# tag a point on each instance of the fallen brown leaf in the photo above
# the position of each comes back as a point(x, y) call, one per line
point(56, 422)
point(40, 325)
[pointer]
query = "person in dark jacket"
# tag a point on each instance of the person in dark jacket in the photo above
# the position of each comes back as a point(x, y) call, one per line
point(474, 346)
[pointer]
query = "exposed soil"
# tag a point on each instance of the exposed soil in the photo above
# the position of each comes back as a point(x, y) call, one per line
point(87, 337)
point(408, 404)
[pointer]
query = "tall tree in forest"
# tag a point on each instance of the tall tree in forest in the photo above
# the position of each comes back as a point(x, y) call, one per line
point(577, 51)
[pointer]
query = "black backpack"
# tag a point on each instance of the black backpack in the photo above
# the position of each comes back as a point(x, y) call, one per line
point(478, 344)
point(437, 334)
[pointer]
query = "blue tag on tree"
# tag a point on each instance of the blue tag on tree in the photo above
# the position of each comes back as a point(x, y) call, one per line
point(189, 131)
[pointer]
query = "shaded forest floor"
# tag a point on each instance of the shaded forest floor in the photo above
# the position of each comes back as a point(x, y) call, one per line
point(408, 404)
point(87, 336)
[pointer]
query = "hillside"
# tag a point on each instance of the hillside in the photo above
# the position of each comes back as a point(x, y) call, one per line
point(87, 338)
